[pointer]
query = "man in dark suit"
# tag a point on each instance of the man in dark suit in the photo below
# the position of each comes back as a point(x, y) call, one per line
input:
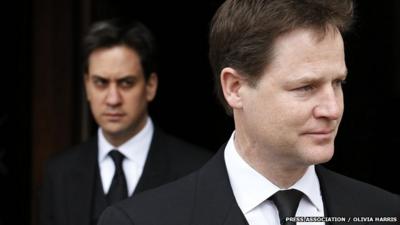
point(279, 67)
point(129, 153)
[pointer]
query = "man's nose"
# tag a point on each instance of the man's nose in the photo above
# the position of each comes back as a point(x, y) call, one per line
point(330, 105)
point(113, 97)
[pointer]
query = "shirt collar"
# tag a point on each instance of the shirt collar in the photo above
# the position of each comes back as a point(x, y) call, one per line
point(133, 148)
point(309, 185)
point(250, 188)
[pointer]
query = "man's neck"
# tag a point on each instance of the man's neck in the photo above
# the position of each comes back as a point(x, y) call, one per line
point(281, 172)
point(118, 139)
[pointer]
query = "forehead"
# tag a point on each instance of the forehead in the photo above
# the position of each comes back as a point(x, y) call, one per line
point(307, 51)
point(301, 39)
point(114, 61)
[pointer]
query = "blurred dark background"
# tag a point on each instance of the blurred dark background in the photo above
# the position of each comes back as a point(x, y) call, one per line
point(43, 109)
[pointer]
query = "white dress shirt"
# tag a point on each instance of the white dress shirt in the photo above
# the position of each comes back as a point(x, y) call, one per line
point(252, 190)
point(135, 151)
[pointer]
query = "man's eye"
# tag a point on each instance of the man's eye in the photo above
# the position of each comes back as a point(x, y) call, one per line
point(339, 83)
point(99, 82)
point(126, 83)
point(305, 88)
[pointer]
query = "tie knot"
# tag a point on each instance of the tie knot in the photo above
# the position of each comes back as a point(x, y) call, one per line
point(117, 157)
point(287, 202)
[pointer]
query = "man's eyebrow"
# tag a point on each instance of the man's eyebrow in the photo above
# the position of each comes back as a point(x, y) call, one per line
point(96, 76)
point(128, 77)
point(305, 80)
point(313, 79)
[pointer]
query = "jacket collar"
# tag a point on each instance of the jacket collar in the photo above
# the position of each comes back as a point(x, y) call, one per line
point(339, 200)
point(156, 165)
point(215, 203)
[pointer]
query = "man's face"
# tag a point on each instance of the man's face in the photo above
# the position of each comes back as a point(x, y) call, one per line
point(118, 92)
point(294, 111)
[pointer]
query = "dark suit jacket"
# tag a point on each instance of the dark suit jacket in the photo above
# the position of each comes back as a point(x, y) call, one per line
point(206, 198)
point(67, 190)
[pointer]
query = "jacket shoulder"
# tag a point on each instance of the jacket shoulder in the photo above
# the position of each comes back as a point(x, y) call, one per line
point(180, 152)
point(171, 203)
point(179, 146)
point(362, 196)
point(72, 157)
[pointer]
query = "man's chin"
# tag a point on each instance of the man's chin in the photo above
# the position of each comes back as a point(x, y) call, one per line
point(114, 131)
point(320, 155)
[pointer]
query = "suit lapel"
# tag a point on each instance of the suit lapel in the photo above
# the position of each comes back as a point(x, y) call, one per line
point(156, 167)
point(337, 201)
point(80, 185)
point(215, 203)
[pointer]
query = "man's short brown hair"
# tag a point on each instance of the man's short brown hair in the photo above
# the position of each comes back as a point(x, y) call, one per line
point(243, 32)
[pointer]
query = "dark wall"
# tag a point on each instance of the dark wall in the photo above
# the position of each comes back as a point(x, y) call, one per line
point(15, 108)
point(368, 142)
point(41, 79)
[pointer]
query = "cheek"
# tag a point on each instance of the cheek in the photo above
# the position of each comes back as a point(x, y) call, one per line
point(293, 114)
point(135, 100)
point(94, 97)
point(94, 94)
point(96, 104)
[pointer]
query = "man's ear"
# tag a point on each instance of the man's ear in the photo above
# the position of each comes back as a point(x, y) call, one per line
point(151, 87)
point(232, 82)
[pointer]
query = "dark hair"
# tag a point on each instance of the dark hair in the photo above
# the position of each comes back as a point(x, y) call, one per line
point(243, 32)
point(133, 34)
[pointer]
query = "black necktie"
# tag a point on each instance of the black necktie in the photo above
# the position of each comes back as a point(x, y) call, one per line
point(118, 190)
point(287, 202)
